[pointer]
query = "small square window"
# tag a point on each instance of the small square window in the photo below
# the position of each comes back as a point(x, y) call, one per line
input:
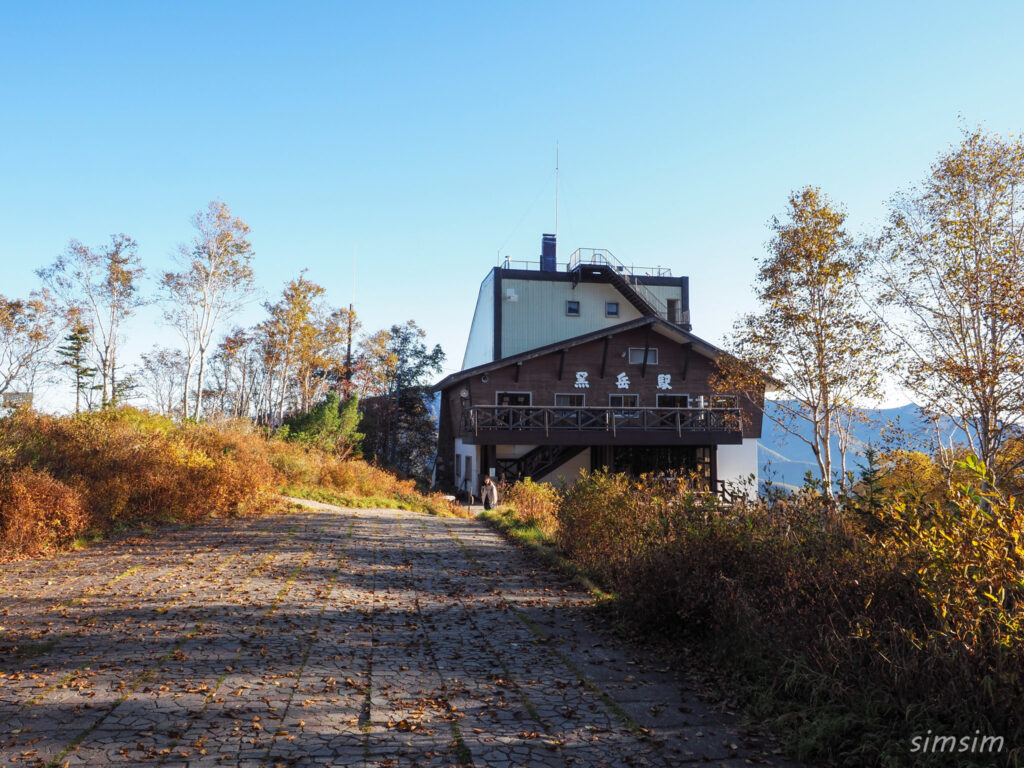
point(572, 308)
point(636, 356)
point(611, 309)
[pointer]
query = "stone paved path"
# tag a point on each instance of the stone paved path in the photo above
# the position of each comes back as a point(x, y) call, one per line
point(329, 637)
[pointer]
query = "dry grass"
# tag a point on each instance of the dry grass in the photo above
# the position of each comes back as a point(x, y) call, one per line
point(851, 629)
point(67, 477)
point(312, 473)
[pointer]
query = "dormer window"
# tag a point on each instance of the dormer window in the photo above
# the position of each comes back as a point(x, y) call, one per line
point(572, 308)
point(611, 309)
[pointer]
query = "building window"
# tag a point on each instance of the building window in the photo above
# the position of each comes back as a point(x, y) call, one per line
point(611, 309)
point(571, 400)
point(572, 308)
point(513, 398)
point(623, 401)
point(636, 356)
point(673, 401)
point(672, 310)
point(723, 401)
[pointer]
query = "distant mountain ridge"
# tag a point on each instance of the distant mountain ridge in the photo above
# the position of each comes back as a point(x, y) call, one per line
point(784, 459)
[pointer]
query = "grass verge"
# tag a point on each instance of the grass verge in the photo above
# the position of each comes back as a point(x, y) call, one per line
point(532, 537)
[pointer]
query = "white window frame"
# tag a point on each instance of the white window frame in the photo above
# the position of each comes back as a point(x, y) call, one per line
point(652, 355)
point(579, 308)
point(609, 304)
point(569, 394)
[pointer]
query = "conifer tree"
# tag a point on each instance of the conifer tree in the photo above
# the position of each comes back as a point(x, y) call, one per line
point(74, 353)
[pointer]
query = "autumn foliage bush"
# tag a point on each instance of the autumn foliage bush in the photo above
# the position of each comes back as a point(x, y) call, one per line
point(534, 504)
point(865, 625)
point(38, 513)
point(64, 476)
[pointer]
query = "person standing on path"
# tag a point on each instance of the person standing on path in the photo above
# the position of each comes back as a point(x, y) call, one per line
point(489, 491)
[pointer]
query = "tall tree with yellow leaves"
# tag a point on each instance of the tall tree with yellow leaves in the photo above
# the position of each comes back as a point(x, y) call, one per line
point(950, 267)
point(812, 341)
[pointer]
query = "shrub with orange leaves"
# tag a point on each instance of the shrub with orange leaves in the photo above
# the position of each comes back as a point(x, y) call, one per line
point(124, 467)
point(37, 513)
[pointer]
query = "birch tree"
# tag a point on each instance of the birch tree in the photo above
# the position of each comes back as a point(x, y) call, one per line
point(812, 337)
point(238, 361)
point(101, 288)
point(161, 378)
point(950, 267)
point(28, 329)
point(214, 281)
point(288, 330)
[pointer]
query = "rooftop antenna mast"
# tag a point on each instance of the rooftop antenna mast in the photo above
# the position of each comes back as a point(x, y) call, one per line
point(556, 191)
point(351, 318)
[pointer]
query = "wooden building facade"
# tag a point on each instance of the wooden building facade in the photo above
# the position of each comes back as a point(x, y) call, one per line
point(631, 392)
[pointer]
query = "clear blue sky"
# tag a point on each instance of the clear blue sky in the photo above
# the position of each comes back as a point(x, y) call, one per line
point(423, 134)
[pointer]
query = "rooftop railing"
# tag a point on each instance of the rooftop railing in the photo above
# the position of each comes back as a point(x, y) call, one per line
point(584, 256)
point(602, 257)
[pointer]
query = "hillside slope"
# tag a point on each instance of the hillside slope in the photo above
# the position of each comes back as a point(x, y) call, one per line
point(784, 459)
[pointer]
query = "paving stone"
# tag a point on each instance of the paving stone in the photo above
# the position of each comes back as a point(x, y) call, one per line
point(330, 637)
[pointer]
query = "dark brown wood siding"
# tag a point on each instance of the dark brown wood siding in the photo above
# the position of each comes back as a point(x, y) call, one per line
point(690, 374)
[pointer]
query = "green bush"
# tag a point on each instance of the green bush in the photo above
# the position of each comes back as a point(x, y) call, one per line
point(331, 426)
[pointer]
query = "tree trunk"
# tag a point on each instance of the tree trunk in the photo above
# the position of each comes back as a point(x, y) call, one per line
point(184, 394)
point(199, 389)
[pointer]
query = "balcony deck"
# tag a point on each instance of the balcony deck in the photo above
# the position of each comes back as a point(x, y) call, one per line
point(555, 425)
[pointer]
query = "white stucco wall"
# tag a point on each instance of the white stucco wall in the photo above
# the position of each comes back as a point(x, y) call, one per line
point(480, 345)
point(512, 451)
point(462, 450)
point(537, 316)
point(736, 463)
point(568, 473)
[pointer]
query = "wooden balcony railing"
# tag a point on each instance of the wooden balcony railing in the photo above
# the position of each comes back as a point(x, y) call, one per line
point(491, 418)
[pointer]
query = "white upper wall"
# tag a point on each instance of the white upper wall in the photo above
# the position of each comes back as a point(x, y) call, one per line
point(480, 346)
point(537, 315)
point(737, 463)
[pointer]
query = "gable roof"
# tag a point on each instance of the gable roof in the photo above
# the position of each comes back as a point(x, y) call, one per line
point(658, 325)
